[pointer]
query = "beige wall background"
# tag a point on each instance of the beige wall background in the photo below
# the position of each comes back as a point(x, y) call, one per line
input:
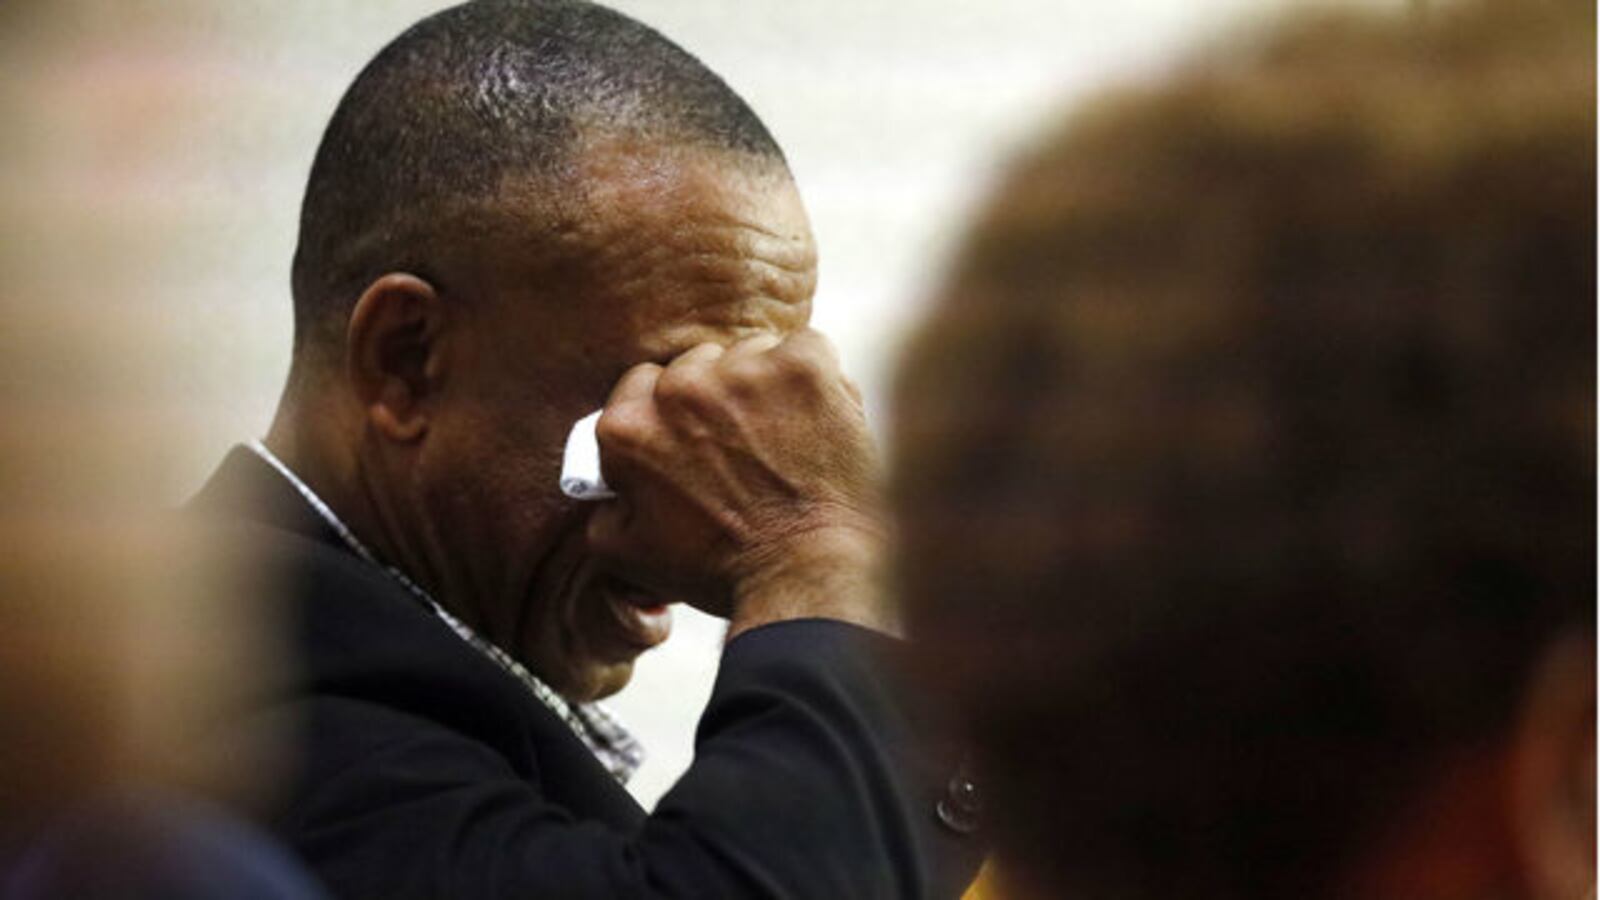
point(155, 150)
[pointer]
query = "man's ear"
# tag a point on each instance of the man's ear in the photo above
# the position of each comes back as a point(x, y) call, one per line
point(1553, 782)
point(392, 354)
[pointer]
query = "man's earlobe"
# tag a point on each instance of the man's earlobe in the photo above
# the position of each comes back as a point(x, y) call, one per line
point(391, 353)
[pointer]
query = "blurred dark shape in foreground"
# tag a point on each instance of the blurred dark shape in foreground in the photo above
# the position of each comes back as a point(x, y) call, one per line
point(117, 647)
point(1246, 475)
point(120, 640)
point(147, 846)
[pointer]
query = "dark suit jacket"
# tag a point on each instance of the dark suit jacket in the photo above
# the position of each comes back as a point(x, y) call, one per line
point(424, 770)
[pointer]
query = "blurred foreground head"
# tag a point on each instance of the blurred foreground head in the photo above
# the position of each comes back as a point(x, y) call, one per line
point(1246, 472)
point(122, 634)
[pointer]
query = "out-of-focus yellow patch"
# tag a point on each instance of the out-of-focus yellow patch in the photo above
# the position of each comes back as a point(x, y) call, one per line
point(984, 887)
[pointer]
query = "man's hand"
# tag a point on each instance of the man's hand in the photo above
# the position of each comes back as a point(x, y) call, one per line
point(747, 484)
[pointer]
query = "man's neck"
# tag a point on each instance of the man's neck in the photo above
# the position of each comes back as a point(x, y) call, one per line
point(311, 443)
point(321, 440)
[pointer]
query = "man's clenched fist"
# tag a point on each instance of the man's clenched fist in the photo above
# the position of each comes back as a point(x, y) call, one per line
point(747, 483)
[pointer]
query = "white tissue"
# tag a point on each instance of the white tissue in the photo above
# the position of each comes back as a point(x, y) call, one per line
point(580, 465)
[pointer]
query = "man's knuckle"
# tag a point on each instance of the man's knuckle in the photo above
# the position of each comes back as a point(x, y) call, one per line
point(744, 370)
point(706, 350)
point(751, 378)
point(796, 366)
point(621, 428)
point(685, 389)
point(643, 373)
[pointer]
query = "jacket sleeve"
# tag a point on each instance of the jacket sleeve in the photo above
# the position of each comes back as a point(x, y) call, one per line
point(805, 783)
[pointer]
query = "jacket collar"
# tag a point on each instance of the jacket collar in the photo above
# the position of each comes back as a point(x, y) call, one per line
point(246, 487)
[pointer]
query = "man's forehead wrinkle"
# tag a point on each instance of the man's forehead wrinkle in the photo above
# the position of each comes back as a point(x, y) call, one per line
point(791, 250)
point(656, 249)
point(630, 247)
point(711, 222)
point(690, 273)
point(649, 212)
point(720, 253)
point(724, 323)
point(720, 267)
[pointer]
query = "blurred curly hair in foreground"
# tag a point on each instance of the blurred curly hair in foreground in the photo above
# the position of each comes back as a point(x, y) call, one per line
point(1245, 471)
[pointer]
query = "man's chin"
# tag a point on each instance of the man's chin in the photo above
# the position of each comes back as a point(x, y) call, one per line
point(598, 681)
